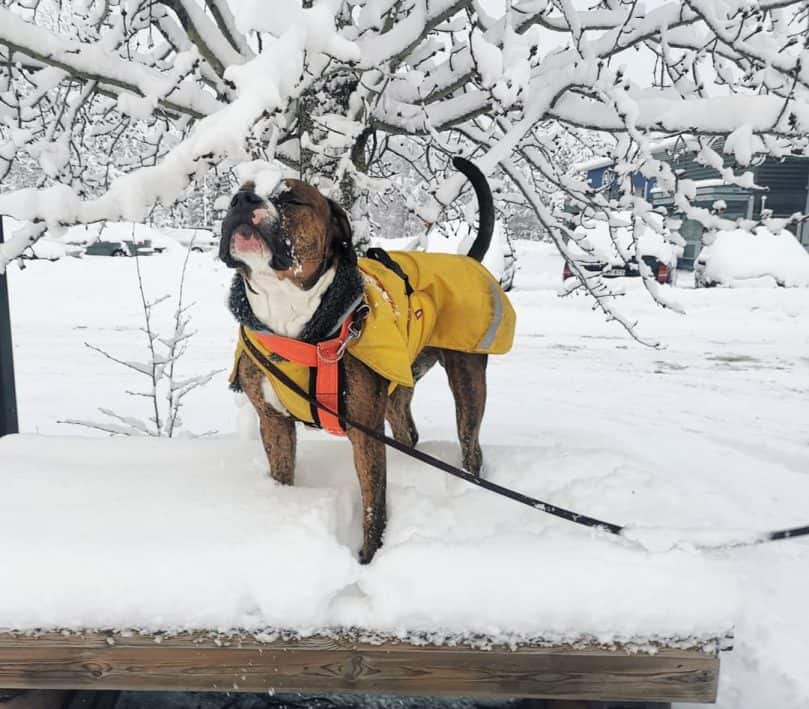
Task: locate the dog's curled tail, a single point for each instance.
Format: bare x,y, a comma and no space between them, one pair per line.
485,206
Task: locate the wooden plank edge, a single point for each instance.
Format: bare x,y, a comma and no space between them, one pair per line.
200,662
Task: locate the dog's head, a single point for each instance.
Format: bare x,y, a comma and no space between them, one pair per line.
294,233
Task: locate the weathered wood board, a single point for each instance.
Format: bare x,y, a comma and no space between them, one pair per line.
198,662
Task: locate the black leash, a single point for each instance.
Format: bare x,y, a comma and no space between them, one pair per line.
527,500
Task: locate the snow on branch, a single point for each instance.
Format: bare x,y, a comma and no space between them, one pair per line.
93,62
109,109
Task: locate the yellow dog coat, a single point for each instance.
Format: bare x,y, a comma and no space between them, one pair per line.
455,304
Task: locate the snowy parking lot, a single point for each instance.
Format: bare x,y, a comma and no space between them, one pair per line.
710,431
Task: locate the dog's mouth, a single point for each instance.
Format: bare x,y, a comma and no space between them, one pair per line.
249,247
245,241
253,239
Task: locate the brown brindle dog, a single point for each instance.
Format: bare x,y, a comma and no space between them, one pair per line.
297,276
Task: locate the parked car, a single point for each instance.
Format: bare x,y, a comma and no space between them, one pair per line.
47,249
198,238
112,239
103,247
160,242
752,258
612,252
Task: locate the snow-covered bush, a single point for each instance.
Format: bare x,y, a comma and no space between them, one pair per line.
165,390
110,110
738,258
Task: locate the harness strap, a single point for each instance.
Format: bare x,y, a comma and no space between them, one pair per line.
378,254
322,358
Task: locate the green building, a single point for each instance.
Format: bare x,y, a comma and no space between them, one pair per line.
784,189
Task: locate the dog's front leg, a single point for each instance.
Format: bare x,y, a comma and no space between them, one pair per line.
366,401
279,439
277,429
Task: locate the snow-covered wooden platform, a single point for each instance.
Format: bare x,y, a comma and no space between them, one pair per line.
175,535
189,542
318,664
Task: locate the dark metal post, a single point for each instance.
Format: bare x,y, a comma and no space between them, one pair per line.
8,395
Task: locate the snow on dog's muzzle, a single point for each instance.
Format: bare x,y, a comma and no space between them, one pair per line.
250,232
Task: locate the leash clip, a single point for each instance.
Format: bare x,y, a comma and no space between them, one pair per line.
354,330
355,327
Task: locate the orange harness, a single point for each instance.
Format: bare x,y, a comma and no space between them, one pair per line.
324,358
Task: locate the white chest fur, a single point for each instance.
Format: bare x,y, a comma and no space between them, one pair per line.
281,305
285,309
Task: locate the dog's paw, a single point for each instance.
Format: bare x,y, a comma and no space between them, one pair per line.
366,554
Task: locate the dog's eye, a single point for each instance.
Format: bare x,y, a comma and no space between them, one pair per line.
288,199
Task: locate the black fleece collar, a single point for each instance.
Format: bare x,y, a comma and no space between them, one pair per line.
342,296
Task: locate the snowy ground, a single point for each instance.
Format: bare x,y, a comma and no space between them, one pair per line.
710,432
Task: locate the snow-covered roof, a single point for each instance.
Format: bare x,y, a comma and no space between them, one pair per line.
592,164
664,144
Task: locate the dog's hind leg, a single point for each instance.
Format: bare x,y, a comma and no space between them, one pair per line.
400,417
398,412
467,381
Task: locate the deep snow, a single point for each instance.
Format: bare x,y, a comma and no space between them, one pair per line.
711,433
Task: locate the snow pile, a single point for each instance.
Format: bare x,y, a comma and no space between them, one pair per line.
737,256
505,72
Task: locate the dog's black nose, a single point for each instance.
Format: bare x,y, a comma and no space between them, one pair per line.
245,198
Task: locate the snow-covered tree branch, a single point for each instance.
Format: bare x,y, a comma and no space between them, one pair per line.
118,106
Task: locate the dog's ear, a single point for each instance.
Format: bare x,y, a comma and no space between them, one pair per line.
341,232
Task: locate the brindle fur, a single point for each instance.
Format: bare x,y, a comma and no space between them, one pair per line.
319,231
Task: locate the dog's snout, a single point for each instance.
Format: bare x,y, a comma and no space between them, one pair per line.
262,215
245,198
251,228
